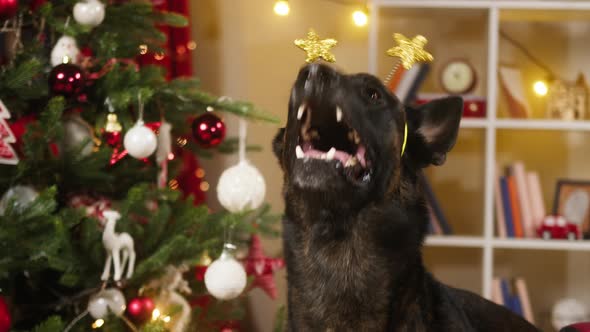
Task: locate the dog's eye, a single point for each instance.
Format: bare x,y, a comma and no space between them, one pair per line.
373,95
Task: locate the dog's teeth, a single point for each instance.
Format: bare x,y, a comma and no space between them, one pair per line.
330,154
300,111
338,114
299,152
350,162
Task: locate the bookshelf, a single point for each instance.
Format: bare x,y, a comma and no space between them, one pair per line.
485,142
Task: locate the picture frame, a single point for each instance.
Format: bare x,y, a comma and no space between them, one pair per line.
572,201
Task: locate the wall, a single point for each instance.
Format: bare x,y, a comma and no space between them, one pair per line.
245,51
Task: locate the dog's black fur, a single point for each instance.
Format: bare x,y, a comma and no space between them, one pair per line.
353,236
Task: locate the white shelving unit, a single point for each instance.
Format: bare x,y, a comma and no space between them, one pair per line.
492,124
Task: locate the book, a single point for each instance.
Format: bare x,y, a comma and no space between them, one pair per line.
434,225
523,294
505,289
512,86
538,211
497,291
506,205
500,220
436,208
514,204
408,82
526,218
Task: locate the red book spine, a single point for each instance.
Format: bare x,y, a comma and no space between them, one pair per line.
518,229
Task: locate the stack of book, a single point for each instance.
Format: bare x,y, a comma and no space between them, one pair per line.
438,222
514,295
519,202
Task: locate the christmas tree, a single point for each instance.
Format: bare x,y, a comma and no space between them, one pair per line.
102,224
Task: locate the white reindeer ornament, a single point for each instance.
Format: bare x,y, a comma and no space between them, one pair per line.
119,247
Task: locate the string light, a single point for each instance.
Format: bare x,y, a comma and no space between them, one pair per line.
360,17
166,319
204,186
191,45
156,314
143,49
282,8
540,88
200,173
97,323
159,56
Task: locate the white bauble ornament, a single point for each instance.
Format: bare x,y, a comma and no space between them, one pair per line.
76,132
110,299
21,195
89,12
568,311
241,187
140,141
65,47
225,278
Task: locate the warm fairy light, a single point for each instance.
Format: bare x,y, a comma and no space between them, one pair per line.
65,59
156,314
143,49
171,156
360,18
200,173
166,319
204,186
180,49
97,323
173,184
540,88
210,109
181,141
159,56
191,45
282,8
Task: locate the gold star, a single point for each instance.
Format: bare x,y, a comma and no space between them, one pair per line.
410,51
317,48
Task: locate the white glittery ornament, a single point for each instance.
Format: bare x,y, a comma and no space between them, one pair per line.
241,187
568,311
89,12
105,301
225,278
22,196
140,141
65,48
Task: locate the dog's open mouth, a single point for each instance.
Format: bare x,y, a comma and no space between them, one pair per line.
326,136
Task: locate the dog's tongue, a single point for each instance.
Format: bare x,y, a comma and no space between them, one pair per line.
342,156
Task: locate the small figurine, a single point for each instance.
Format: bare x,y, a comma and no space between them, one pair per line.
557,227
119,247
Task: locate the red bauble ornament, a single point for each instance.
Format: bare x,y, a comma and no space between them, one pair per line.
5,318
8,8
140,309
262,268
208,130
66,79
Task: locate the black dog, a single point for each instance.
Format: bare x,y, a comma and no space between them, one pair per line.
355,215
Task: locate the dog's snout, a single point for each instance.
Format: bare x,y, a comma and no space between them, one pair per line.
317,78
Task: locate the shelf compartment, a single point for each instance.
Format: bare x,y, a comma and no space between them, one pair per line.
457,267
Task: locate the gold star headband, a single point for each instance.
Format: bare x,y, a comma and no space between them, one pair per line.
317,48
409,51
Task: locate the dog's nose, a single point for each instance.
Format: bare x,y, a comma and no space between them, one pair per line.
317,77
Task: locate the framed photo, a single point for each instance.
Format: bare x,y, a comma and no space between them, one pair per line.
572,201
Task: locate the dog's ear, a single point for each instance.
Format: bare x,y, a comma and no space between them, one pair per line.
278,143
433,129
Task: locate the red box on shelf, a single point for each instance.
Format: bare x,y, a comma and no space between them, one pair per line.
473,106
